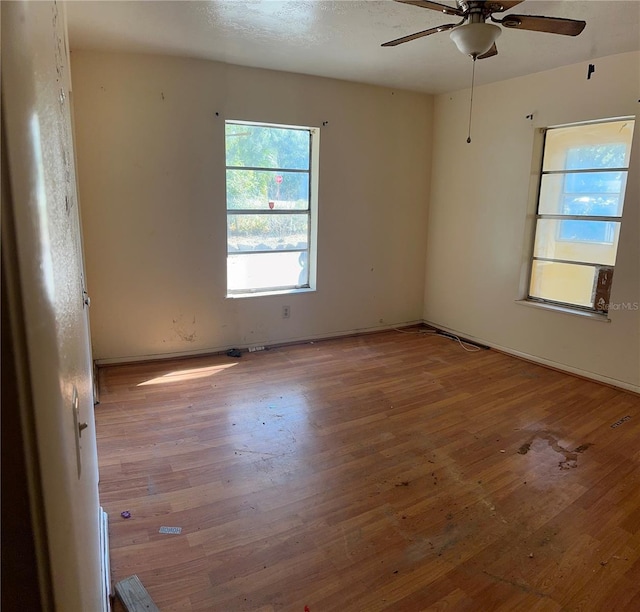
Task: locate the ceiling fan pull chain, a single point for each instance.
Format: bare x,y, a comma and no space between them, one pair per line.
473,78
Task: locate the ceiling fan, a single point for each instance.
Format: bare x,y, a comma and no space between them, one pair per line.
474,36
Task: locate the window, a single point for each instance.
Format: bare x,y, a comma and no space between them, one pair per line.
580,201
271,207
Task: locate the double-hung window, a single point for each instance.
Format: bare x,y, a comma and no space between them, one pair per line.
271,177
580,202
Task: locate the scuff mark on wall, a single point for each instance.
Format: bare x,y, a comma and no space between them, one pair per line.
184,331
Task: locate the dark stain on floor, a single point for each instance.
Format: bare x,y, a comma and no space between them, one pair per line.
570,457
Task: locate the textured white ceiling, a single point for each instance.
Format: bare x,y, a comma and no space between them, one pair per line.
342,38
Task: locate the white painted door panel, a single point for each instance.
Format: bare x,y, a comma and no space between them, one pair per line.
48,261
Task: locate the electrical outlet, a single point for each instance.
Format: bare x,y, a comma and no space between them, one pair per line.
286,312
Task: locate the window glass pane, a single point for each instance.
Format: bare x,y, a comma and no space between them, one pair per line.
596,156
597,145
269,232
574,240
560,282
594,182
267,147
602,232
267,190
277,270
584,175
270,201
584,193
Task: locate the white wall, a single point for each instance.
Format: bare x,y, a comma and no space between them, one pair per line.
151,169
480,212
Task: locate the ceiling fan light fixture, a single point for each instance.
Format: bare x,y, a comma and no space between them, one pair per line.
475,38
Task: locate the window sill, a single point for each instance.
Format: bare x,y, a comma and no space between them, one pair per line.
254,294
594,316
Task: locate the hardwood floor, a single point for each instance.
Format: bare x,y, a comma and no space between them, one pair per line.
390,471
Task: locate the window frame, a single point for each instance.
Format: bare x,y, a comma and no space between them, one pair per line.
311,212
600,268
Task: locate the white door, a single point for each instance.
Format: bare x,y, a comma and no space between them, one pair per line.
45,259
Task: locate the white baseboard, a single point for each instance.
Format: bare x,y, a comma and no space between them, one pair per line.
614,382
105,561
281,342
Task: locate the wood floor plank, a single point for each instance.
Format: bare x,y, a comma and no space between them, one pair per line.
391,471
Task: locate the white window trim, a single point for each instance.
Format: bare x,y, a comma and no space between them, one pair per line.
534,194
593,315
314,171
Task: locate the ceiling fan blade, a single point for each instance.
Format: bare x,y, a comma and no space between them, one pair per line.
490,53
404,39
497,6
535,23
434,6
